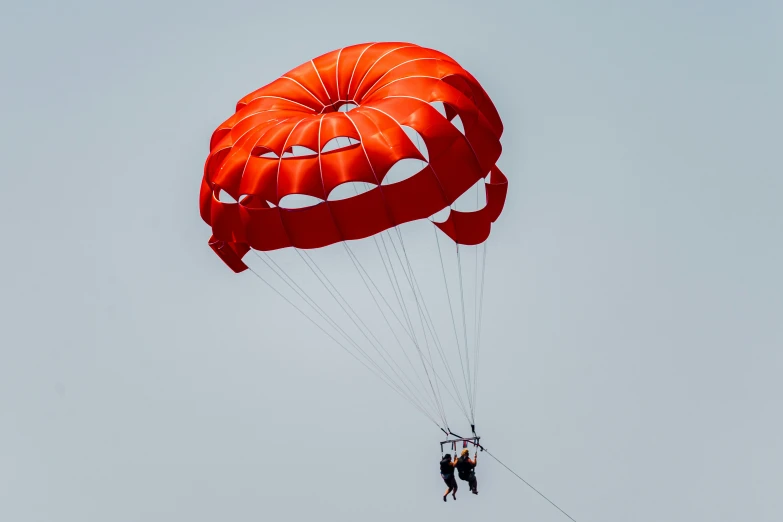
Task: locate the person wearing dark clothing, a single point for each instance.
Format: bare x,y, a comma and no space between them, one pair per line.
465,469
447,474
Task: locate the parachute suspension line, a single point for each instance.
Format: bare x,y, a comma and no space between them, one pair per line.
377,374
465,328
470,384
413,282
445,360
401,300
430,324
403,309
466,379
433,330
395,283
291,283
354,261
324,282
376,344
359,266
391,274
528,484
451,311
302,294
416,289
476,359
366,277
475,310
419,309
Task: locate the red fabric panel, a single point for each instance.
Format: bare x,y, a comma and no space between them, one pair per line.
226,223
367,62
260,178
306,135
467,228
370,205
336,124
417,197
473,228
326,66
305,77
310,227
265,230
485,145
231,254
252,125
276,138
286,89
383,141
300,176
345,165
456,167
404,62
347,59
205,202
229,175
496,188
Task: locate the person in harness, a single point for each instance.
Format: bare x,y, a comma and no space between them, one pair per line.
447,474
465,469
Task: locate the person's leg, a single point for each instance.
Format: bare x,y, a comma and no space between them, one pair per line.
454,487
473,484
448,489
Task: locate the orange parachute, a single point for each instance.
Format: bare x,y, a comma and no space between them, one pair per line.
345,119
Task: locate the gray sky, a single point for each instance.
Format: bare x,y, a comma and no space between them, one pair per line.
631,355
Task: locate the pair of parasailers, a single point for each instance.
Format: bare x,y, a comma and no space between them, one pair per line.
465,470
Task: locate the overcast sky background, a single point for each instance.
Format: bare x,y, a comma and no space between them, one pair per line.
631,362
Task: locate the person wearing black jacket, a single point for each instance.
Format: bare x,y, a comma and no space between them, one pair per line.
465,469
447,474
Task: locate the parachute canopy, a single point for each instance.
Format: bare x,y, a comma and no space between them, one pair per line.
314,158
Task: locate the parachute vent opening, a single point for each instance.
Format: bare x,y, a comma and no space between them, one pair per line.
402,170
251,201
299,151
339,142
347,107
223,196
440,107
297,201
349,190
417,140
263,152
441,216
457,122
450,114
271,205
